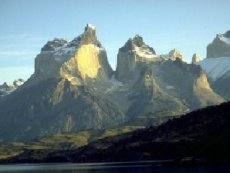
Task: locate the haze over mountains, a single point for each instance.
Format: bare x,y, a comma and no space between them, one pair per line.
74,87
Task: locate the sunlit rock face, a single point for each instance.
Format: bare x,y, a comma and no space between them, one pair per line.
88,61
82,59
176,54
204,93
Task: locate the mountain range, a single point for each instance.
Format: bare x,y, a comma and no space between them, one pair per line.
74,87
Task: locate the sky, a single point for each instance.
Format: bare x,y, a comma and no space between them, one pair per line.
26,25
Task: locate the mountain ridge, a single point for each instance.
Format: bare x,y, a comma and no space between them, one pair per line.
74,88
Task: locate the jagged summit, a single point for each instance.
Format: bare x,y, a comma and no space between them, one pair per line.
138,40
54,44
196,58
7,88
137,44
176,54
89,36
80,59
90,26
63,45
131,55
220,46
227,34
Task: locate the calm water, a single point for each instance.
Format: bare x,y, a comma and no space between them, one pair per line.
125,167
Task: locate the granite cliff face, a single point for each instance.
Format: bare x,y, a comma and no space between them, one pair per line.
133,53
59,96
220,46
76,61
74,88
217,64
157,87
176,54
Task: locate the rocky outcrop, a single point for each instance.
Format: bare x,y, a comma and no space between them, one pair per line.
176,54
196,59
131,56
7,88
203,92
151,101
54,44
220,47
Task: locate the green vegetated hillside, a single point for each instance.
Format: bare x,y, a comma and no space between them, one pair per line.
62,141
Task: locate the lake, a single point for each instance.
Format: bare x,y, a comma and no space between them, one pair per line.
122,167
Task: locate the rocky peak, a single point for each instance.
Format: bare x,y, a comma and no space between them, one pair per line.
6,88
89,36
204,93
196,58
131,55
138,40
136,43
220,46
176,54
54,44
82,58
227,34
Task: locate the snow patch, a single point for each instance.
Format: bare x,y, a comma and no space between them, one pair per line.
216,67
145,53
64,50
91,26
224,39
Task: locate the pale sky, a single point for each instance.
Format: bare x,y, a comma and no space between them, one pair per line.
26,25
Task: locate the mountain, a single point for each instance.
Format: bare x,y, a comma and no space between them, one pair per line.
74,88
217,64
7,88
220,46
201,136
196,59
79,61
176,54
156,86
58,97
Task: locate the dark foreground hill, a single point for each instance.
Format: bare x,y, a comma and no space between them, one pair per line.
202,135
